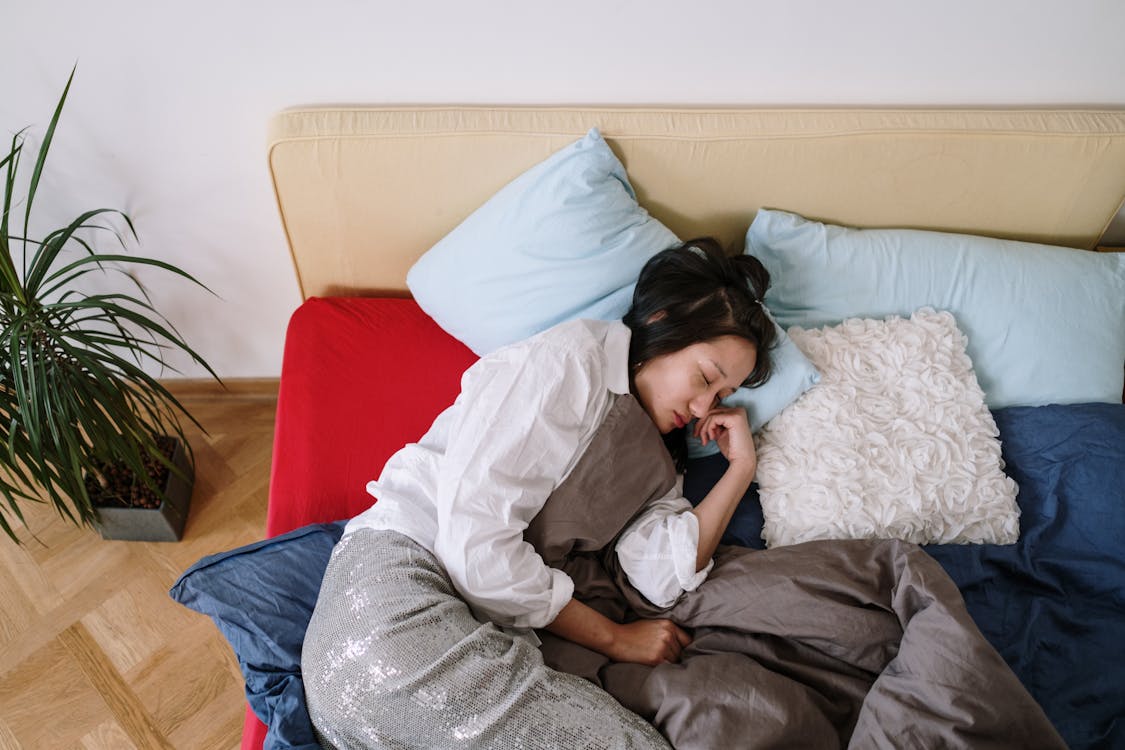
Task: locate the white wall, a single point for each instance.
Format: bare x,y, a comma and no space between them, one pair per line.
167,116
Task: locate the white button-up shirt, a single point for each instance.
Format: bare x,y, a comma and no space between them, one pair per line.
467,490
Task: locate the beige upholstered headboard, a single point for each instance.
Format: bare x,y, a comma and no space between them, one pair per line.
363,192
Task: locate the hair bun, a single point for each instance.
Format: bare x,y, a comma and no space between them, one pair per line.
755,275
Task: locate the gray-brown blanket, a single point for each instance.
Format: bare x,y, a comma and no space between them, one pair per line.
861,644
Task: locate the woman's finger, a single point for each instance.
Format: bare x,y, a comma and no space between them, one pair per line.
711,425
679,640
718,426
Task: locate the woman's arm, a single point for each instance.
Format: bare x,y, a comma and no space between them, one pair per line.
521,419
644,641
730,429
667,549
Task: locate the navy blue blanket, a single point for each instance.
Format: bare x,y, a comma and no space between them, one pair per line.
1052,604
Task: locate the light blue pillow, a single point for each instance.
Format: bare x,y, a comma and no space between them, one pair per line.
792,375
1045,324
566,239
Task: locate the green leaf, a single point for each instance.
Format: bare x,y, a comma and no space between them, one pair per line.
44,148
7,264
48,251
103,258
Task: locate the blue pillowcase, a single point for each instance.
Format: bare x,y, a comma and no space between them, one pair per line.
566,239
1045,324
261,597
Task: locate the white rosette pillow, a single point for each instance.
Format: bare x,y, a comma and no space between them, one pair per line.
894,442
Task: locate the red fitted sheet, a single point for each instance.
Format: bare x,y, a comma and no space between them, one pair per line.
360,378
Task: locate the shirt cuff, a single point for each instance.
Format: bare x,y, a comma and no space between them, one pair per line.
562,591
658,553
685,551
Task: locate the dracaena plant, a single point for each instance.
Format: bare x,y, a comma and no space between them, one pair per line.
75,393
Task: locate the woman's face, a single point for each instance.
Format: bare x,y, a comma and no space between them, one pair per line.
677,387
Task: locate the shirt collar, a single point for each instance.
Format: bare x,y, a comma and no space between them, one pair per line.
617,337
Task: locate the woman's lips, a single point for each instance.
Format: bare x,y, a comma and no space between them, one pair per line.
680,421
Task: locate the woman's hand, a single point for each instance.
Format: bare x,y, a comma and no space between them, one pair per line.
730,429
649,642
642,642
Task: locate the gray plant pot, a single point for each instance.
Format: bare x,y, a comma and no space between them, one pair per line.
162,524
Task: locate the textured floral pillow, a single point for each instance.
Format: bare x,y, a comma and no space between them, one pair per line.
894,442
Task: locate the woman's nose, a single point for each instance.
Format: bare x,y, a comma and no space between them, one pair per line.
701,404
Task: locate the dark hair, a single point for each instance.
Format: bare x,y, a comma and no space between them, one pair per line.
692,293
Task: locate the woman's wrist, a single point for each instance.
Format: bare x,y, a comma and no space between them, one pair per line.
585,626
743,468
715,510
612,635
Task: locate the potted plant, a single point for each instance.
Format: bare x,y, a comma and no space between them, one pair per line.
80,418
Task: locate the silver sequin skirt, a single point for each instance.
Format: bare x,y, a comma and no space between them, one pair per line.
393,658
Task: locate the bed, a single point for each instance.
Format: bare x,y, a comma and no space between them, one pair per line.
363,193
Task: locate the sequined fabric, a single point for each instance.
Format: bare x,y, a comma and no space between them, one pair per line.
394,659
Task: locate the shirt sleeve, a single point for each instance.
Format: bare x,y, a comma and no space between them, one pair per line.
658,550
525,414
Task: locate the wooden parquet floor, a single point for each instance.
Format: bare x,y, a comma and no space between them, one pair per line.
93,652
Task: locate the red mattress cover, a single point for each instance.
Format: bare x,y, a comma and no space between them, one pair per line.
360,378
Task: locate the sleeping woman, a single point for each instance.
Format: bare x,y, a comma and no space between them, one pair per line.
530,575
